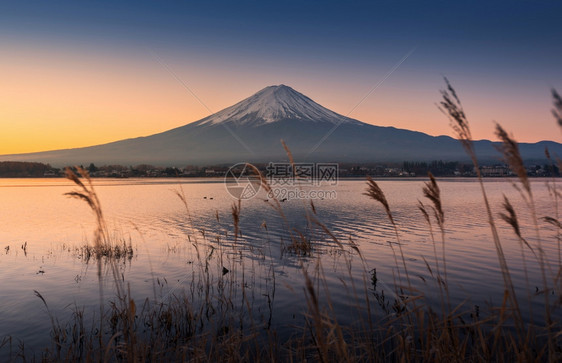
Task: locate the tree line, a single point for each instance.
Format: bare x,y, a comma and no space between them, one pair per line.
19,169
23,169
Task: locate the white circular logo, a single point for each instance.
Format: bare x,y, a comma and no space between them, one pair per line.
242,182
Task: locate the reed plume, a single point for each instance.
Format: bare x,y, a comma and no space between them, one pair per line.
87,194
510,150
431,191
375,193
511,219
451,107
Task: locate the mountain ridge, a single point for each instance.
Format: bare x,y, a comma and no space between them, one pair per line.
251,130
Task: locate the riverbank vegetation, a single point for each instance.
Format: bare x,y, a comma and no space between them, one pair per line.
218,316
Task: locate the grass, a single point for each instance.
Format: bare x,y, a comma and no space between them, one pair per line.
215,316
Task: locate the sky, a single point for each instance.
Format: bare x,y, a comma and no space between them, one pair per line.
76,74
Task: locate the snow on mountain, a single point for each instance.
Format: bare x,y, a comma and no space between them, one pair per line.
273,104
253,130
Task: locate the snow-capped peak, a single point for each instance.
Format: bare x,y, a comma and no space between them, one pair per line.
272,104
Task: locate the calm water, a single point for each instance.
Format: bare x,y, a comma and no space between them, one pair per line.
34,213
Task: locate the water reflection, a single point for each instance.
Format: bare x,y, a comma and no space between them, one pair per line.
44,234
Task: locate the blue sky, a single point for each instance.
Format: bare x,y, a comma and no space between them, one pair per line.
503,56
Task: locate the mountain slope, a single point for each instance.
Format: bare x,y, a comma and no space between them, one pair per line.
251,131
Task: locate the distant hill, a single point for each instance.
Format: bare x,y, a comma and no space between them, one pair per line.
251,130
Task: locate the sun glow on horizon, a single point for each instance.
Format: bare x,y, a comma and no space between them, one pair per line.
58,97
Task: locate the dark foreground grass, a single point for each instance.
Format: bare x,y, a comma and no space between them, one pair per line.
215,316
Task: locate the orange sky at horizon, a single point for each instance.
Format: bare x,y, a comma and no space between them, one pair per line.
55,98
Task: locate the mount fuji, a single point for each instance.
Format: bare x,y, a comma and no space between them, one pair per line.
251,130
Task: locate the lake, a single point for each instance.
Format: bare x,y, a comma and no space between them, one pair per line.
43,233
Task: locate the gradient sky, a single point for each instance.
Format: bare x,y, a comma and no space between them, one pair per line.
82,73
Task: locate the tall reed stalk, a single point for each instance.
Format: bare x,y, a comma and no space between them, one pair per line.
452,107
